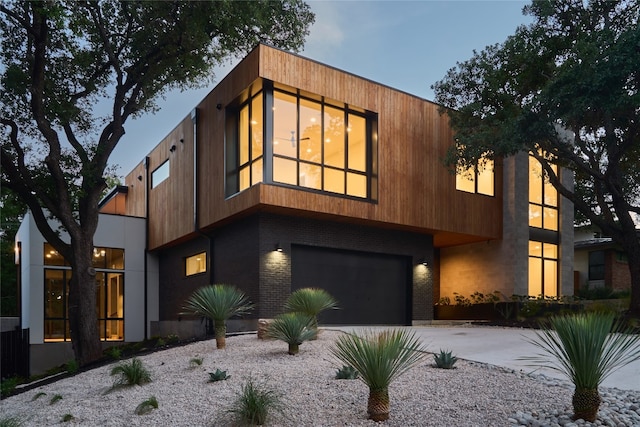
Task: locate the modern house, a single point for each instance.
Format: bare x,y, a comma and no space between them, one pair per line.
291,174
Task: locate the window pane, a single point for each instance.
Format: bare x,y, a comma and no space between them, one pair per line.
285,138
334,137
485,179
550,219
115,330
550,251
357,143
115,295
101,293
256,127
334,180
54,293
51,256
550,278
115,258
256,172
244,178
160,174
535,249
535,181
196,264
54,330
535,277
310,131
535,216
243,135
465,180
356,185
285,171
310,176
596,265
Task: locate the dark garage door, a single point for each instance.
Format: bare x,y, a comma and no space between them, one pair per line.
371,288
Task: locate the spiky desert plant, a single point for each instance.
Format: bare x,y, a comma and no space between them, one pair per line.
445,360
587,348
254,403
218,303
380,358
310,301
292,328
130,373
147,406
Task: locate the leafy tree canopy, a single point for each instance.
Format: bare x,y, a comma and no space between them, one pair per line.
59,59
566,89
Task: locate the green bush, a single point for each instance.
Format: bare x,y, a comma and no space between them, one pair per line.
130,373
347,373
218,375
445,360
72,366
38,395
195,361
147,406
8,386
255,403
114,353
67,417
56,398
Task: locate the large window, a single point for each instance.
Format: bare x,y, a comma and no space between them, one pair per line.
314,143
543,198
543,269
109,294
478,179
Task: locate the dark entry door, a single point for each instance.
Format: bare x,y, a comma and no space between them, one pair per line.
371,288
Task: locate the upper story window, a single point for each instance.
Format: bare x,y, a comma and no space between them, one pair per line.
543,198
478,179
195,264
160,174
311,142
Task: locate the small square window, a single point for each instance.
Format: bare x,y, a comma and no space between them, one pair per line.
196,264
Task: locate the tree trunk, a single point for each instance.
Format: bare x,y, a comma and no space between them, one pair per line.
585,404
83,317
378,405
220,329
294,348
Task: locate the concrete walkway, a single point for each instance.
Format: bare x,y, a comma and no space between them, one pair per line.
501,347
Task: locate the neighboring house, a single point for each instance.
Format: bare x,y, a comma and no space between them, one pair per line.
291,174
599,262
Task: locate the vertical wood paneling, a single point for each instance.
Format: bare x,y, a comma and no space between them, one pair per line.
416,191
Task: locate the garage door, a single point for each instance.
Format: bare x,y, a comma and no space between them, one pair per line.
371,288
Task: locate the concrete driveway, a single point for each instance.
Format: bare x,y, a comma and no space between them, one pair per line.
501,347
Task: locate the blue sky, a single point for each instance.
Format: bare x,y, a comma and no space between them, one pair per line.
408,45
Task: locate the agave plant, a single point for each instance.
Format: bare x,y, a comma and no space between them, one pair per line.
380,358
310,301
445,360
292,328
218,303
587,348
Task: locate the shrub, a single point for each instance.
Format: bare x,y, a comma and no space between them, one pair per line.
67,417
38,395
292,328
254,403
130,373
218,375
147,406
8,386
347,373
10,422
72,366
445,360
196,361
114,353
380,358
587,348
55,398
218,303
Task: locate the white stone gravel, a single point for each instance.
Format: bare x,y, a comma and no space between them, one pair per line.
474,394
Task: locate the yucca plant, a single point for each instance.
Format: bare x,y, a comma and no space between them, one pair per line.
130,373
310,301
292,328
587,348
218,303
254,403
380,358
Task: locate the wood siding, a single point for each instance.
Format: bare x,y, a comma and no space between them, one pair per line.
415,190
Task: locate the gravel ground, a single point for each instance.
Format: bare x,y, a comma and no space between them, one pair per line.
474,394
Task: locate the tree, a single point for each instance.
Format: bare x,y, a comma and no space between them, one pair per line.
60,58
565,89
11,211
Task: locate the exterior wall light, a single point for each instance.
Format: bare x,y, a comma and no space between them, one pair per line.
423,261
278,247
